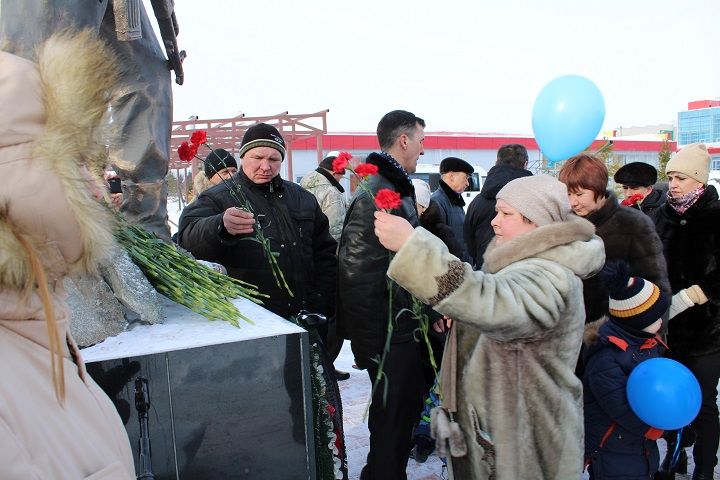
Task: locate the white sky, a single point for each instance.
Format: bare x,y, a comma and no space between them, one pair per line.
472,66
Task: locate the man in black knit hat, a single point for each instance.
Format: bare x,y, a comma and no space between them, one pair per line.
214,226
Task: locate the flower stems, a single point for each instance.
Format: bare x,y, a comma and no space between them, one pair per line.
243,203
182,279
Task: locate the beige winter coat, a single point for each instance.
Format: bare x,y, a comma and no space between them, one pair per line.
48,115
331,200
519,324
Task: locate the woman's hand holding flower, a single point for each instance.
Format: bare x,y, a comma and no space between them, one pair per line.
392,231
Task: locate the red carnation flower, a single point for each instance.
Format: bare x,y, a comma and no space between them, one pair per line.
632,199
198,137
341,162
186,151
366,169
386,199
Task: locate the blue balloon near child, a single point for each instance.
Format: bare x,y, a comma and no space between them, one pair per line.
567,116
664,393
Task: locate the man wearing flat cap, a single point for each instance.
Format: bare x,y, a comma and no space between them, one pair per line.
638,180
447,200
213,228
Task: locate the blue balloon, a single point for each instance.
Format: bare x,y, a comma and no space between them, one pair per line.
664,393
567,116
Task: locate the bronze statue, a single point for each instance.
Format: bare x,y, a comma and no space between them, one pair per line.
143,114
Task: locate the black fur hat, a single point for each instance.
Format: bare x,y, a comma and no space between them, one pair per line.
636,174
454,164
217,160
262,135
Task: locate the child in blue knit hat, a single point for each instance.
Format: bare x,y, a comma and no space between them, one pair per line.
617,443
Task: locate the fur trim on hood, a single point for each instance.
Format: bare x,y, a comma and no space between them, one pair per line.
552,242
50,137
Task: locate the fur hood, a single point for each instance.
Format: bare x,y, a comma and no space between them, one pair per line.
200,183
49,134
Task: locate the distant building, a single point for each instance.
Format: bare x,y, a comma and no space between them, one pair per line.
478,149
700,123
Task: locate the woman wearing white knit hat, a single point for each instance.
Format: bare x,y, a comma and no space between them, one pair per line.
517,335
689,226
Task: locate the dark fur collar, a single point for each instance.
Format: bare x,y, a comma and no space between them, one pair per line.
605,213
455,198
397,177
330,178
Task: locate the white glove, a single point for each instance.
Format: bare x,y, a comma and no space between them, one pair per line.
681,301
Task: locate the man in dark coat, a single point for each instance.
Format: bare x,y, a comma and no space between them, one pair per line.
447,199
213,228
511,163
637,180
363,297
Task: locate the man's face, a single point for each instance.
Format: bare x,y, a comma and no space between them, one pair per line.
629,191
413,147
458,181
223,174
261,164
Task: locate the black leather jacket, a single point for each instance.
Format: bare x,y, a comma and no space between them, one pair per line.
362,310
298,230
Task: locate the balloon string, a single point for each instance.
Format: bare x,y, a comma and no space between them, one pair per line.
676,453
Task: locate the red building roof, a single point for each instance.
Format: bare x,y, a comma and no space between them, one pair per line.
459,141
697,104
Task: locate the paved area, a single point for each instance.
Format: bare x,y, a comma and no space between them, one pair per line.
355,394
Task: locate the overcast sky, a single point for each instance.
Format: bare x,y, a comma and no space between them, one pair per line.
470,66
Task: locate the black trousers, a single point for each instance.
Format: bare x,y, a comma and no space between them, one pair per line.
706,425
391,423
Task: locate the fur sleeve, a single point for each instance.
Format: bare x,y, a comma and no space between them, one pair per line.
520,301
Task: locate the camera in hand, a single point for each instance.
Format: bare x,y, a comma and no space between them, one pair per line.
115,186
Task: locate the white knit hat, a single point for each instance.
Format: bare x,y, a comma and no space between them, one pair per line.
693,160
542,199
422,192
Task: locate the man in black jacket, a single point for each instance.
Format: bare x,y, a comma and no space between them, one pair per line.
511,163
639,178
213,228
447,201
363,296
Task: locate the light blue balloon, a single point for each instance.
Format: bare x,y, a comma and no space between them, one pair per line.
567,116
664,393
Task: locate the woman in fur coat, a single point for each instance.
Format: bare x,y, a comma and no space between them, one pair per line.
55,422
517,335
689,226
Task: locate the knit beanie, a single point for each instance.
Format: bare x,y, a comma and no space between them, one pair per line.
327,161
542,199
262,135
693,161
422,192
634,302
217,160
